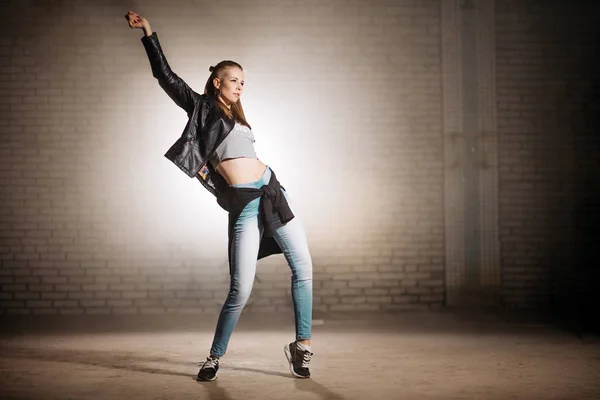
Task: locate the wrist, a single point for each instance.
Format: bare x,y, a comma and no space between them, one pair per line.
147,29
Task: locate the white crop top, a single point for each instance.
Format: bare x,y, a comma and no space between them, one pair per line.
238,143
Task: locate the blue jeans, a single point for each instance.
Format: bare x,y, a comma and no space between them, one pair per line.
247,233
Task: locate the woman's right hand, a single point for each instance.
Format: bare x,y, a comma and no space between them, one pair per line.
135,20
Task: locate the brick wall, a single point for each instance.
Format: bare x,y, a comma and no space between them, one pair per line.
344,98
547,86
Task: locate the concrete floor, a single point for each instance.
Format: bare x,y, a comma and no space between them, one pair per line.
438,355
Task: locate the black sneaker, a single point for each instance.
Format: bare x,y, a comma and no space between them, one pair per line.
208,371
298,359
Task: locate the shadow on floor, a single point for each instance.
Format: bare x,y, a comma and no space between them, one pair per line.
133,362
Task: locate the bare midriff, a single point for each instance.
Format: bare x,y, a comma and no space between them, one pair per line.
241,170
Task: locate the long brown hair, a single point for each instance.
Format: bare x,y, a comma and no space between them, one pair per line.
218,71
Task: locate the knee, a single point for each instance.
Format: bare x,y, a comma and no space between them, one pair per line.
238,295
302,270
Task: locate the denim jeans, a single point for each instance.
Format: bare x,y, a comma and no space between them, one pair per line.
247,233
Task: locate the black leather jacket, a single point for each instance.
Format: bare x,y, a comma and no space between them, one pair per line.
206,128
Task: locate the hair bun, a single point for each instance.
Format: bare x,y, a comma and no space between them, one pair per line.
211,68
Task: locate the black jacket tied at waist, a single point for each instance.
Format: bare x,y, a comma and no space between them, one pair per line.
272,200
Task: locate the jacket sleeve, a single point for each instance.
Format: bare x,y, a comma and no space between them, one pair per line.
172,84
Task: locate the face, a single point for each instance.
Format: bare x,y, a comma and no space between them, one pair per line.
231,86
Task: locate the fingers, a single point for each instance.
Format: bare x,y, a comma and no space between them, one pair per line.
133,19
132,16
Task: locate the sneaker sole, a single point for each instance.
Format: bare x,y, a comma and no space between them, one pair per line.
288,355
206,380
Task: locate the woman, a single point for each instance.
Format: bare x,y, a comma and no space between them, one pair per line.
217,148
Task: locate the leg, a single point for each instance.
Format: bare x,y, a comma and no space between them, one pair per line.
246,240
292,240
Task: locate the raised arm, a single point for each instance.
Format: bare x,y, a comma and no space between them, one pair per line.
172,84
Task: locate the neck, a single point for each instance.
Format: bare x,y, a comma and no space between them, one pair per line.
222,100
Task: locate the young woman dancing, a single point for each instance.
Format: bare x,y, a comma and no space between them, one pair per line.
217,148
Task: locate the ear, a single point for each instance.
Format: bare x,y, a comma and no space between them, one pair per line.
217,82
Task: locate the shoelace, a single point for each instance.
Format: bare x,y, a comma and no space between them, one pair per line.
306,359
209,363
